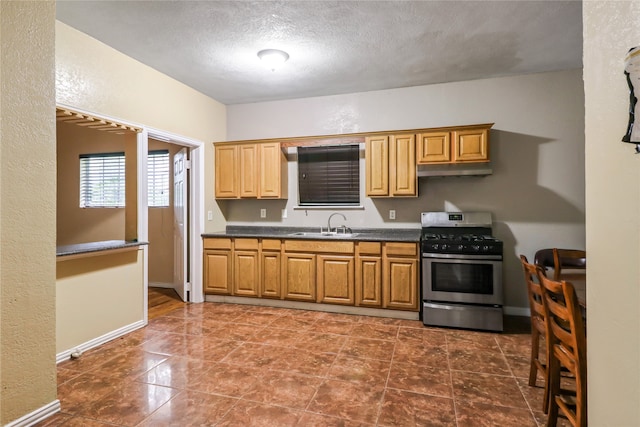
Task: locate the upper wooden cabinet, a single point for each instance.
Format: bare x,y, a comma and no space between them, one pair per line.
390,164
252,170
466,144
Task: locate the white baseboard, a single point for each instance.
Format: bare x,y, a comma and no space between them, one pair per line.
517,311
37,415
65,355
160,285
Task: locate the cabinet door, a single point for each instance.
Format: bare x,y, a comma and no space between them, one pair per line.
434,147
402,166
400,283
226,167
270,274
271,170
218,273
248,154
335,278
377,165
369,281
300,276
245,277
471,145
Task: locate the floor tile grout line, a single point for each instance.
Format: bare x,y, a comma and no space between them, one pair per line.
453,392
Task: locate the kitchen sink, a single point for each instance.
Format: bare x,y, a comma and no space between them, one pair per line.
323,234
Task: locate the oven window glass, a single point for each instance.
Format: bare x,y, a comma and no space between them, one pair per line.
464,278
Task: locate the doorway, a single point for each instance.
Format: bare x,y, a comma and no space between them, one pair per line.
173,231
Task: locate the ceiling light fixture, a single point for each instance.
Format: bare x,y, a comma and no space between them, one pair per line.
273,58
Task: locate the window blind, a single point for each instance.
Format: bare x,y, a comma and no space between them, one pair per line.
329,175
102,180
158,178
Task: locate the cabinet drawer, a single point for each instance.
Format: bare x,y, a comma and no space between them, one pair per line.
271,245
318,246
401,249
217,243
250,244
371,248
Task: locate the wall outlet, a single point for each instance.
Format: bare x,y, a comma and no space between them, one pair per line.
284,213
263,213
210,215
392,214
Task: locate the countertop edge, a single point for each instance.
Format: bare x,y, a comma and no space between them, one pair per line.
373,235
91,247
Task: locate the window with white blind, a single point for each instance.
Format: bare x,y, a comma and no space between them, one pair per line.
102,179
158,178
329,176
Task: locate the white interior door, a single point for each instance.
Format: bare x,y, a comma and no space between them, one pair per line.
180,223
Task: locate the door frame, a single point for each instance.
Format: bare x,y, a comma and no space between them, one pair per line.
196,202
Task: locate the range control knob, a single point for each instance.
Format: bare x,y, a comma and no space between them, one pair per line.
460,247
476,248
435,246
443,247
486,248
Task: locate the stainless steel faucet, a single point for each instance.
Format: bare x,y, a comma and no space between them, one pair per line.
329,220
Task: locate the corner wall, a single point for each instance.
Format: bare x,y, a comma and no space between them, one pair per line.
27,209
613,216
536,194
94,77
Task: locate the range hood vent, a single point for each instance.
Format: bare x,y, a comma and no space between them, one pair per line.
455,169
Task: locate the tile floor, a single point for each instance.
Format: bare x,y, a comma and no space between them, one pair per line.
235,365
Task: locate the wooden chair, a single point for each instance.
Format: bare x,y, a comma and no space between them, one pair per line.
574,260
538,328
568,349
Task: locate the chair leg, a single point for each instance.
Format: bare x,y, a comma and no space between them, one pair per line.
535,348
553,386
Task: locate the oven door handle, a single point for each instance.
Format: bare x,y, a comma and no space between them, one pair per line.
459,257
459,307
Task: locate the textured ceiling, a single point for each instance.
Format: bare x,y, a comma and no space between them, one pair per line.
334,46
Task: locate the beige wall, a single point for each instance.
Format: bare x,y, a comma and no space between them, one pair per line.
536,193
613,212
89,297
75,224
95,77
27,208
161,228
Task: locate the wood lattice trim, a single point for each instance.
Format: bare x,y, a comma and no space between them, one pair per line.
91,122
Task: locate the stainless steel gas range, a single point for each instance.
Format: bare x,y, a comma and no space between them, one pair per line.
461,271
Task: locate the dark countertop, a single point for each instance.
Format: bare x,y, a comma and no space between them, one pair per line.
359,234
106,245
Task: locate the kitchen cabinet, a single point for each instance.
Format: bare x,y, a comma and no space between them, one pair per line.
250,170
299,270
400,276
270,269
246,267
335,279
456,145
368,280
218,266
390,166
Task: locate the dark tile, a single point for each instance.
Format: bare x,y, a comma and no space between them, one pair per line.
473,414
403,408
346,399
489,389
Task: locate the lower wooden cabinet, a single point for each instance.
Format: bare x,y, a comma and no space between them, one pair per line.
364,274
270,275
218,266
299,271
399,283
335,279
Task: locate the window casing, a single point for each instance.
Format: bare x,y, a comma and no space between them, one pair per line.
329,175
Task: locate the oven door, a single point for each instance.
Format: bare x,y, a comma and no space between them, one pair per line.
473,279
